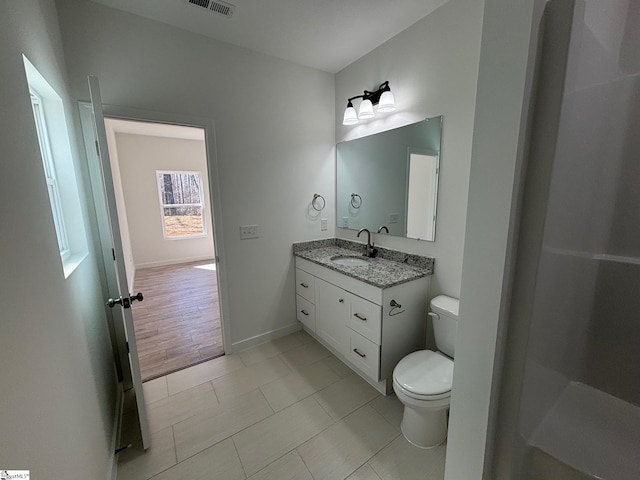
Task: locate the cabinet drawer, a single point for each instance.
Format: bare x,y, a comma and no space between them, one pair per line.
306,312
365,318
364,354
305,285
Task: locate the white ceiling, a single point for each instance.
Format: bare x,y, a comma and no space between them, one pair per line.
323,34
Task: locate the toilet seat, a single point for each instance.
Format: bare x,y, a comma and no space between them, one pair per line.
424,375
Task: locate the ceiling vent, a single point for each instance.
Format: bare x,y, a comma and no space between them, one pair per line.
216,6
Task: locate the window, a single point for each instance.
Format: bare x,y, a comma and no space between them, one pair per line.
181,204
50,174
59,170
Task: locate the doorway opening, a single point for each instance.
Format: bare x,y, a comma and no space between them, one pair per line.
161,184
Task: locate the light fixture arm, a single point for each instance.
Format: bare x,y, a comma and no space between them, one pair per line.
387,105
375,96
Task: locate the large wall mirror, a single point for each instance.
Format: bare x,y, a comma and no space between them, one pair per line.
390,180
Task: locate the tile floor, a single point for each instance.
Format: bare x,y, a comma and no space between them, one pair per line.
286,409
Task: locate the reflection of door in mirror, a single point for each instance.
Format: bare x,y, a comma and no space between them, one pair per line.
422,186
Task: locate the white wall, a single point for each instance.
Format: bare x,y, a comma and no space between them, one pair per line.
498,143
139,157
57,376
432,68
273,154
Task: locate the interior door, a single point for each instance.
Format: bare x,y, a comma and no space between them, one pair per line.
121,299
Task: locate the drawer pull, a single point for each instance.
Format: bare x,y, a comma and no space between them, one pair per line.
304,285
360,354
359,317
341,300
304,313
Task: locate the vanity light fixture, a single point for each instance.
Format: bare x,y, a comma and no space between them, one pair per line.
382,97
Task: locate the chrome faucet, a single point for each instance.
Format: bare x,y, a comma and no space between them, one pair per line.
383,227
369,251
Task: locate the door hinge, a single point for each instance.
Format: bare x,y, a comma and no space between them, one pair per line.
97,149
113,253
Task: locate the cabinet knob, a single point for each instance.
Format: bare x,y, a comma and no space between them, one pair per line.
341,300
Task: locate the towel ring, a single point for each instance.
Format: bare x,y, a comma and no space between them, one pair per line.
356,200
314,202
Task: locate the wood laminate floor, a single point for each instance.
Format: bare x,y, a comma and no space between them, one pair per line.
178,323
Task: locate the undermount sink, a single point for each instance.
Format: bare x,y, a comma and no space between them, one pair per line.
349,261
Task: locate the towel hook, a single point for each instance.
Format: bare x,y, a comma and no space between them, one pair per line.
315,202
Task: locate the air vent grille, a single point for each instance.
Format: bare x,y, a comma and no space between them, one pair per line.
215,6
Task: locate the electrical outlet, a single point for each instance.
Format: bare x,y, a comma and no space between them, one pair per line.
345,222
323,224
393,218
248,231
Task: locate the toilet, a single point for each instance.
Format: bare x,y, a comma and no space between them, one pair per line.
422,379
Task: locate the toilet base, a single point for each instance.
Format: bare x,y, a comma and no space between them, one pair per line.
424,428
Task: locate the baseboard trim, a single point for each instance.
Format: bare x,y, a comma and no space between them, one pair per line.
174,261
264,337
112,469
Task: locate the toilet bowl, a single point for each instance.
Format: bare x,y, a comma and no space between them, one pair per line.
422,380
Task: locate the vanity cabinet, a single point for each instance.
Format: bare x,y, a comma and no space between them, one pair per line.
332,310
370,328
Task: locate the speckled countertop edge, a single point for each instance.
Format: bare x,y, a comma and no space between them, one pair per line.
387,269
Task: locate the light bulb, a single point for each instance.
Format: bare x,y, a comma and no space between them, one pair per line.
350,116
366,109
387,102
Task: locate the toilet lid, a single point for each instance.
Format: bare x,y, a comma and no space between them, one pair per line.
424,373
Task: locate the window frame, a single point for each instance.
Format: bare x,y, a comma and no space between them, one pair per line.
48,163
176,205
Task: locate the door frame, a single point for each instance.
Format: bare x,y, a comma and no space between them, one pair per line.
207,124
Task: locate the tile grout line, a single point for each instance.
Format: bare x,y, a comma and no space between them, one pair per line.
273,412
230,436
294,448
303,462
341,420
214,391
239,459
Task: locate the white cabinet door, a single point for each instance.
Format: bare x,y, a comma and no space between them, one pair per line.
332,312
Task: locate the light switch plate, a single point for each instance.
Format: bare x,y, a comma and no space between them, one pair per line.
323,224
345,222
248,231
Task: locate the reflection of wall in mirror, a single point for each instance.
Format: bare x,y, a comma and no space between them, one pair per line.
372,170
422,184
376,168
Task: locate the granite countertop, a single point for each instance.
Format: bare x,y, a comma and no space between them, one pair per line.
387,269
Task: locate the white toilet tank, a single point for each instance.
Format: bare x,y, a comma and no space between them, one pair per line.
445,320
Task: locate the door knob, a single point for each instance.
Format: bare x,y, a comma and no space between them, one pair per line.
137,297
124,301
113,302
